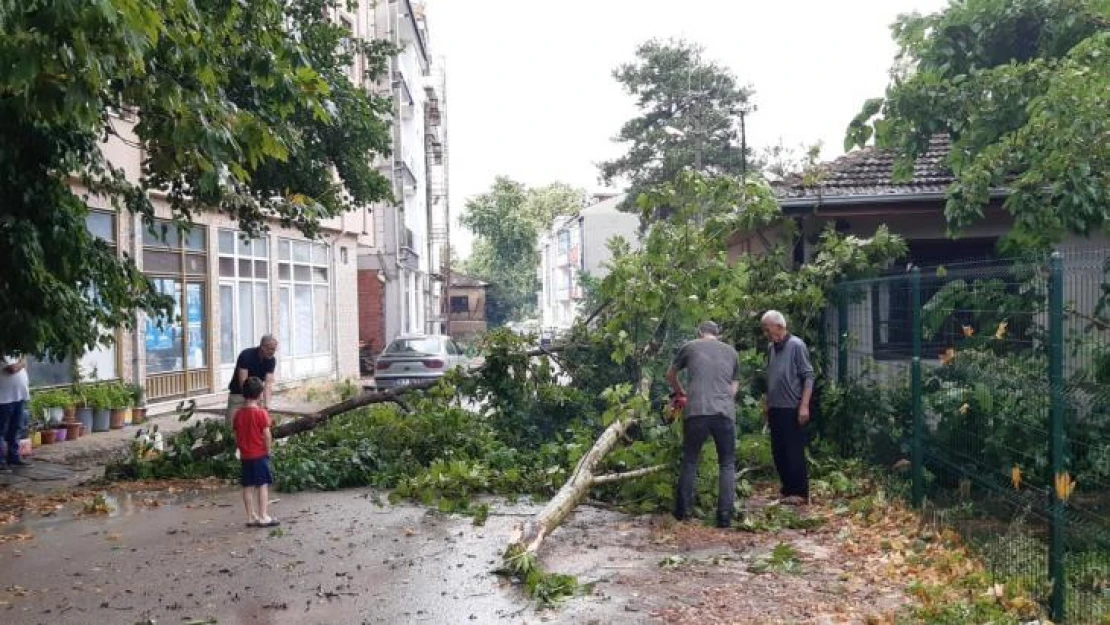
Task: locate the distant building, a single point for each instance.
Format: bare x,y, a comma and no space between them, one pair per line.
576,245
466,312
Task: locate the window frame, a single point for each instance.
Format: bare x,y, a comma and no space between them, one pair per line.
256,253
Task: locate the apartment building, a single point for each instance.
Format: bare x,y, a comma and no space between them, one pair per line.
400,267
230,291
575,245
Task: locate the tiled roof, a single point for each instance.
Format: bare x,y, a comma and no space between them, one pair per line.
870,172
460,280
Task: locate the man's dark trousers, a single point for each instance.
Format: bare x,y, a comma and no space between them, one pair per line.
788,445
694,432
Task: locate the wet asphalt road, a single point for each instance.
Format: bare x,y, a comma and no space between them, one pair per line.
338,558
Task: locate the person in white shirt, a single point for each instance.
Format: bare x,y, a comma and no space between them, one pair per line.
15,391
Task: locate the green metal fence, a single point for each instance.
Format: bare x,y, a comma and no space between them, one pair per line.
987,385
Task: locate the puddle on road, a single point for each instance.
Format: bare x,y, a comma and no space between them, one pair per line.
116,504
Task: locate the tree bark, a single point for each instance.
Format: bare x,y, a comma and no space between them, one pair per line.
529,536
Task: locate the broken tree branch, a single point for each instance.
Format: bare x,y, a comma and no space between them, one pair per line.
627,475
367,398
529,536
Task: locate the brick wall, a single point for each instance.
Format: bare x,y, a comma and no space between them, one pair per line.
371,308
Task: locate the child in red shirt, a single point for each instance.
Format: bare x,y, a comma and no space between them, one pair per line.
253,438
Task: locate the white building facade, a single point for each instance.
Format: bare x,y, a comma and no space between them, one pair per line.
401,285
577,245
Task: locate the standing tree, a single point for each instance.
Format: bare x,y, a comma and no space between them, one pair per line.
1022,88
241,108
506,221
692,113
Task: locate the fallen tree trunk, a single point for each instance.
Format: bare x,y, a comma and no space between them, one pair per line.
527,537
316,419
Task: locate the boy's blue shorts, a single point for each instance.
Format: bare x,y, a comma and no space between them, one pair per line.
257,472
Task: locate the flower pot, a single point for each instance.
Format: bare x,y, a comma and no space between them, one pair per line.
117,418
47,437
25,447
36,439
85,418
59,435
102,420
55,415
73,430
128,416
83,432
69,413
138,415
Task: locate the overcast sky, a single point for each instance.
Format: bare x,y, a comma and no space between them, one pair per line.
530,93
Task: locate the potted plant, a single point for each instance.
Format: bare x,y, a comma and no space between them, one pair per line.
37,406
138,403
119,402
99,398
35,431
46,434
59,432
53,403
84,410
62,400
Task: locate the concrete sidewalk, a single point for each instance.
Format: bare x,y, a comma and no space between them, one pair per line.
64,465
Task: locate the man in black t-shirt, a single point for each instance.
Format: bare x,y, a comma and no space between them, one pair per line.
253,362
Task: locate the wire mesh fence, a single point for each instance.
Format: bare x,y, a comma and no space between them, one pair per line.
986,386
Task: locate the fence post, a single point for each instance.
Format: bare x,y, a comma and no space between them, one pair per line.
917,448
1056,383
842,334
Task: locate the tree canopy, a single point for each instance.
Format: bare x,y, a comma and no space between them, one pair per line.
506,221
1022,88
241,108
690,111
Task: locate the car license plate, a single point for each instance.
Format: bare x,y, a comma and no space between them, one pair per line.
403,381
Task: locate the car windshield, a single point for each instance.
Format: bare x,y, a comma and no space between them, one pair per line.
402,347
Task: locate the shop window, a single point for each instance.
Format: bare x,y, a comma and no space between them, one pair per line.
244,293
175,262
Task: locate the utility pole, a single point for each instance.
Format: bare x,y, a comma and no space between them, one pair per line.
697,144
743,145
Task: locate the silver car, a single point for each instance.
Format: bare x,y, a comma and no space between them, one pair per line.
410,359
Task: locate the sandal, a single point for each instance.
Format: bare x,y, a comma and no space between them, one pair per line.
270,523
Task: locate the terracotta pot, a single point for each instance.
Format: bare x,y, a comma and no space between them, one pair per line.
47,437
138,415
118,418
84,431
73,431
70,413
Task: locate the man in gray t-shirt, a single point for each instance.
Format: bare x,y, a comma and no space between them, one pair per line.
713,373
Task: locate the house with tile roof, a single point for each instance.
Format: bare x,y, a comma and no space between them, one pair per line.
859,191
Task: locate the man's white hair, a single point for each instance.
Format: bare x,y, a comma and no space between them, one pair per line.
774,317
